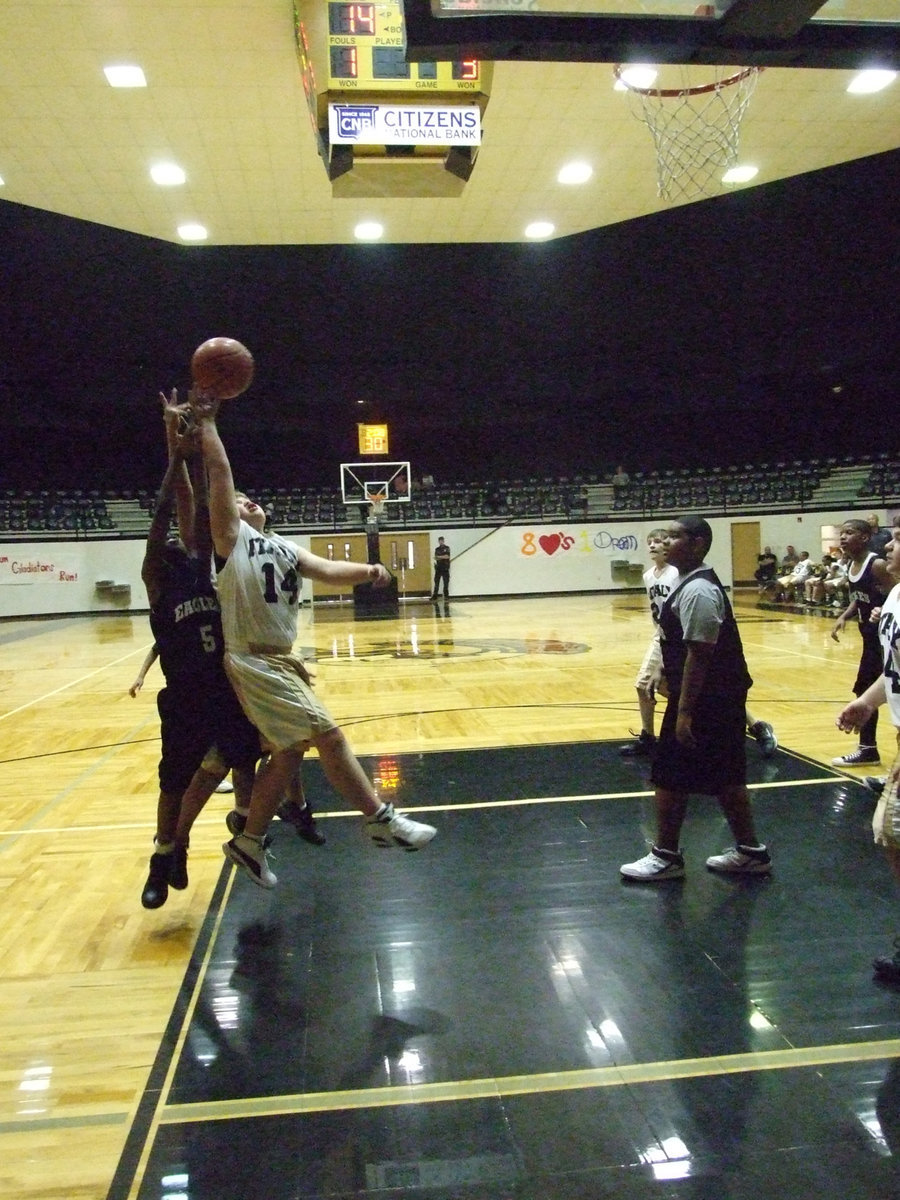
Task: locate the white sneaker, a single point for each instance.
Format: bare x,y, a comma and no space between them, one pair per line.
388,829
741,860
249,853
655,866
225,787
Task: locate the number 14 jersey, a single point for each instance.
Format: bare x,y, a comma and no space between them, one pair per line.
259,590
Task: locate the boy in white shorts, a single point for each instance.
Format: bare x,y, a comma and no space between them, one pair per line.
658,580
886,689
259,579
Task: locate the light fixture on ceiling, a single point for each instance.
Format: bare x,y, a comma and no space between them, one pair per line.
539,229
167,174
866,82
740,174
368,231
575,172
637,75
192,232
125,76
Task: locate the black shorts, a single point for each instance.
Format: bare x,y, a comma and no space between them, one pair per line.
195,717
719,760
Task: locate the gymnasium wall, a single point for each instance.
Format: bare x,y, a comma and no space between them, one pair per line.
47,578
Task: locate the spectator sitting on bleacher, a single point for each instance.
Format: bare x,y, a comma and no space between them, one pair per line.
835,585
766,568
788,584
789,561
814,584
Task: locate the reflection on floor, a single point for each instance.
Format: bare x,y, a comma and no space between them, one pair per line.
500,1016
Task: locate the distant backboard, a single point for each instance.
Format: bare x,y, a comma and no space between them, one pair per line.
364,483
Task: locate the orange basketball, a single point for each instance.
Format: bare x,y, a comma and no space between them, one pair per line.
222,367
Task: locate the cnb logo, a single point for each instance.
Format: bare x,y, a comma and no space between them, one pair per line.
354,119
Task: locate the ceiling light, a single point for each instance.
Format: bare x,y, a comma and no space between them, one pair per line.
167,174
368,231
638,75
192,232
740,174
125,77
575,172
539,229
870,81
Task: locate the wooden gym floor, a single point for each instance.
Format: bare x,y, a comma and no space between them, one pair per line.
498,1016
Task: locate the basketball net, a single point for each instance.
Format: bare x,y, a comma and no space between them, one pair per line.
695,126
376,507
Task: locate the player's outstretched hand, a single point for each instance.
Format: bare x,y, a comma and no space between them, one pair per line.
175,415
381,576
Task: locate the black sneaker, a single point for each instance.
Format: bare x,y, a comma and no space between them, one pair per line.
302,820
875,783
765,737
642,747
178,876
156,889
235,822
862,756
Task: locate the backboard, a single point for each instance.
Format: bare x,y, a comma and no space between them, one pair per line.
371,482
841,34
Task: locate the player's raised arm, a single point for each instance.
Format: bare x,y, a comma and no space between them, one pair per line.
175,419
153,566
224,516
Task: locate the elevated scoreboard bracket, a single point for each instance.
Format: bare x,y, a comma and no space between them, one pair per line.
386,126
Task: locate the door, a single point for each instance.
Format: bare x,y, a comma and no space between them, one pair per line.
406,555
745,548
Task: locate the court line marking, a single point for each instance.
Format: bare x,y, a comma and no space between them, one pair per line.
72,683
148,1137
538,1084
432,808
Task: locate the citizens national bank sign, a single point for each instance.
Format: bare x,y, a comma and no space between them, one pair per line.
404,124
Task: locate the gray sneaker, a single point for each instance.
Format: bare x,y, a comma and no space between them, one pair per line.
741,860
765,737
249,853
388,829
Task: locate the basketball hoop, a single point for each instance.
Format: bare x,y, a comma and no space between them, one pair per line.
695,126
376,506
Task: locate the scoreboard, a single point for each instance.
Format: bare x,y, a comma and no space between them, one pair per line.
366,47
355,53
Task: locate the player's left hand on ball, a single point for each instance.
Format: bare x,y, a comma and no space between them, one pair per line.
203,404
381,576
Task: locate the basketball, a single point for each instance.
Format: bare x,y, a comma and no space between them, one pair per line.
222,367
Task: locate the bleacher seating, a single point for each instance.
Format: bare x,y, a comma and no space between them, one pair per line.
753,488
